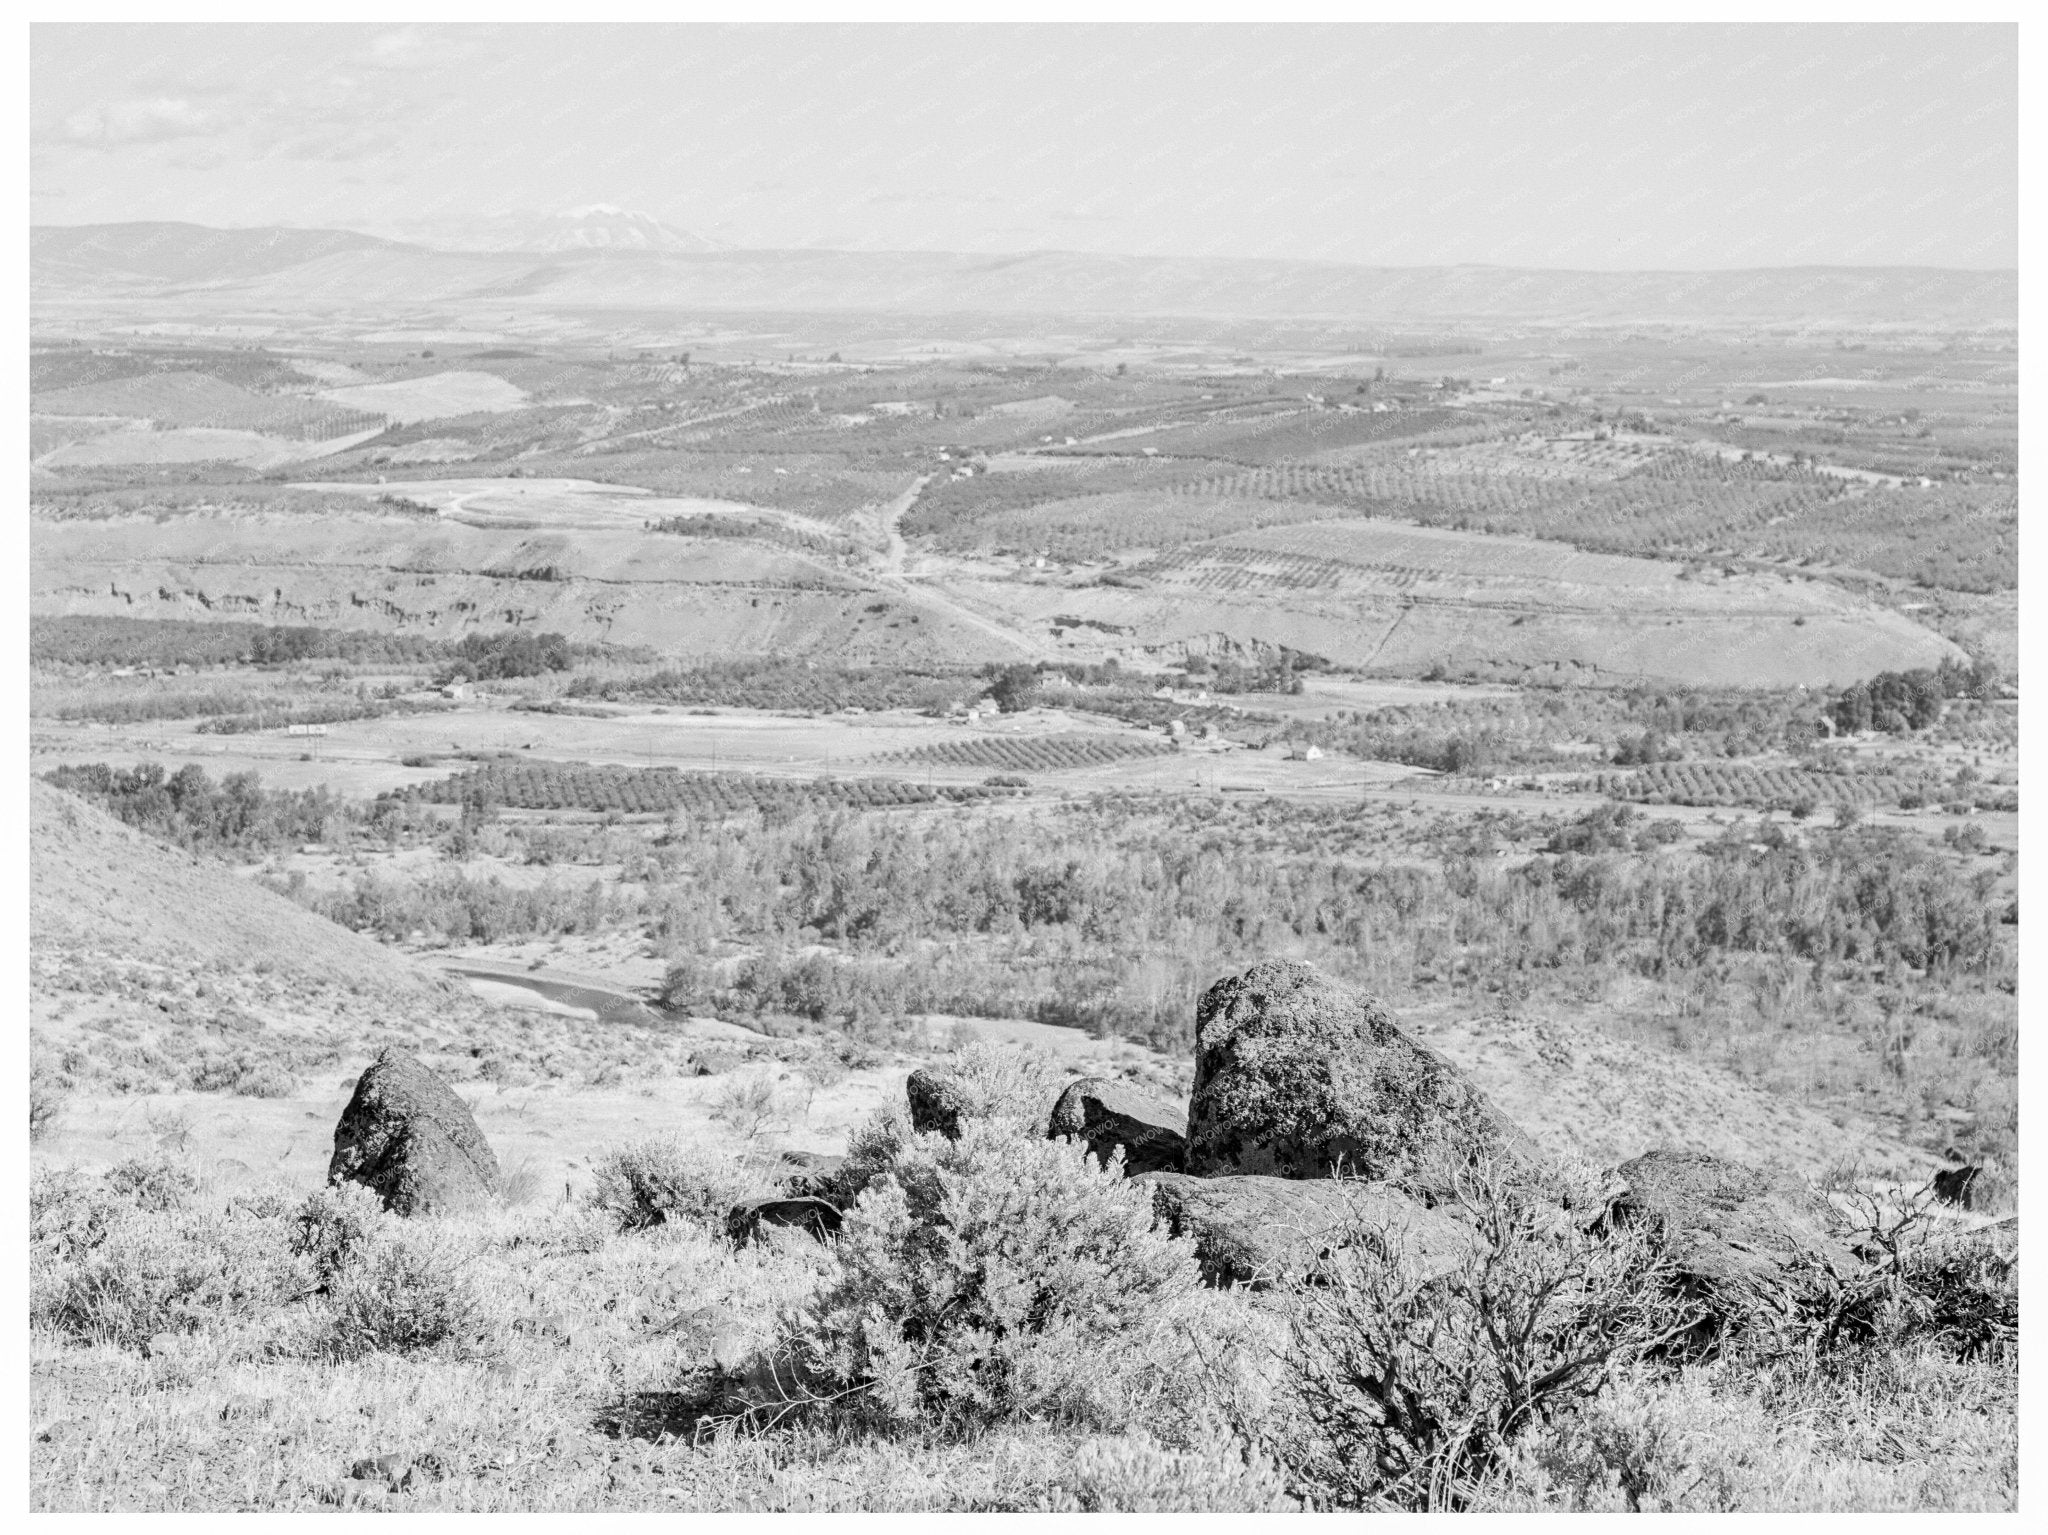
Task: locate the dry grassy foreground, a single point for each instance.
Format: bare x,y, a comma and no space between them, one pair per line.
201,1349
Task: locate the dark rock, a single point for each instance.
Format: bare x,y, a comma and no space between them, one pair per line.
939,1101
1257,1231
425,1468
1107,1114
1957,1186
1735,1232
387,1469
1300,1076
812,1175
819,1217
406,1136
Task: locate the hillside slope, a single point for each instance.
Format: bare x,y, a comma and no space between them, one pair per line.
100,890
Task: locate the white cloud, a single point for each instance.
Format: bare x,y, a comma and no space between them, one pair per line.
145,120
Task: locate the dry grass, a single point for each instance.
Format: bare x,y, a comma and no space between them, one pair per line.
538,1358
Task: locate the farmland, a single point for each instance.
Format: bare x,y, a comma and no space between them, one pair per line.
459,393
1535,659
179,399
1037,754
663,791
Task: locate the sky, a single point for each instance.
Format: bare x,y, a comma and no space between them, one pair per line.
1595,147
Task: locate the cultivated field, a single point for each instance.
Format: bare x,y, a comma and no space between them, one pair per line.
458,393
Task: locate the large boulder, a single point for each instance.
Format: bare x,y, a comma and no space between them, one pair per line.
407,1137
1260,1231
1301,1076
1736,1235
1106,1114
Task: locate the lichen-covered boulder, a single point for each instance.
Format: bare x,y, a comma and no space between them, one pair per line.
1105,1114
408,1138
1257,1231
1301,1076
1735,1233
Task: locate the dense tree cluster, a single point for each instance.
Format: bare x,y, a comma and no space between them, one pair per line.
162,643
237,815
510,653
1894,702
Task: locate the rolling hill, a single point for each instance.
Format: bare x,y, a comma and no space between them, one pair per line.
592,265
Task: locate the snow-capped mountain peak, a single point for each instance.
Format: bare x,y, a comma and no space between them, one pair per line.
605,226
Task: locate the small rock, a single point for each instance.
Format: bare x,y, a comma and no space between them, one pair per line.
939,1101
244,1406
387,1468
819,1217
1957,1186
812,1175
425,1468
1107,1115
161,1345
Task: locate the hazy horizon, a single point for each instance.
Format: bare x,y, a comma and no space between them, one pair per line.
1053,250
1555,148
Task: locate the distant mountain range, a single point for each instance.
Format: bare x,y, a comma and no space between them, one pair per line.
609,258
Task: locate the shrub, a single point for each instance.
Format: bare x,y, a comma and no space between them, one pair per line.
242,1076
873,1147
749,1106
1964,1295
406,1287
122,1274
1635,1450
1956,1293
333,1224
1138,1474
662,1178
519,1181
995,1277
1407,1395
166,1181
45,1105
69,1211
1007,1081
